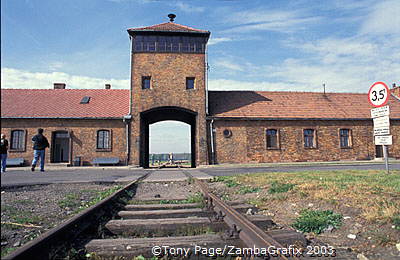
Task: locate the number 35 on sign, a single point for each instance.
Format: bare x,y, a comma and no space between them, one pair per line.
378,94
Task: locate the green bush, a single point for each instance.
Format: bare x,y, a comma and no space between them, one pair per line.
317,220
277,187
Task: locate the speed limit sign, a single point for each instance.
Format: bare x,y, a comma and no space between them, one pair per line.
378,94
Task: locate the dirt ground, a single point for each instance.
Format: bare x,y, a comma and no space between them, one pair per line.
27,212
165,190
375,238
366,203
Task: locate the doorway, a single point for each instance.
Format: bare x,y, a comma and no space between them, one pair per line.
60,147
170,144
378,151
163,114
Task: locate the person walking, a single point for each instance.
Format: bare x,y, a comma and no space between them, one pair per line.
40,144
3,149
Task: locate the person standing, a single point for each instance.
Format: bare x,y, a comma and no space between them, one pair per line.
4,149
40,144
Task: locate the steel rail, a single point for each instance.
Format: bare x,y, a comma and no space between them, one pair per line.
43,246
250,234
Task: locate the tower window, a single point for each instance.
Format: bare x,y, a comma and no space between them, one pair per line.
146,82
190,83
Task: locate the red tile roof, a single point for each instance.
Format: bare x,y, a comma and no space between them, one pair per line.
293,105
114,103
64,103
168,27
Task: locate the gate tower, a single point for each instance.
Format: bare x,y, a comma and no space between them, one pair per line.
168,82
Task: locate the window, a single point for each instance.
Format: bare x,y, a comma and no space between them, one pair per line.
309,138
85,100
146,82
345,138
227,133
272,139
169,43
103,139
190,83
17,140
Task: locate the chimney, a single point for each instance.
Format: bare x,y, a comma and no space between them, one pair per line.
59,85
395,90
107,86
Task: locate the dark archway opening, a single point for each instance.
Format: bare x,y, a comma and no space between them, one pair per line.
162,114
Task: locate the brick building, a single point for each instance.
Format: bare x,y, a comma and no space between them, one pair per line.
169,82
84,123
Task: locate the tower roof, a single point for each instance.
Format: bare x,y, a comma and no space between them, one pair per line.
168,27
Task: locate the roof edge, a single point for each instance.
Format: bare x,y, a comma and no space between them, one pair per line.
287,118
41,117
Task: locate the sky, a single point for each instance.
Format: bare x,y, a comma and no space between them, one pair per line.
254,45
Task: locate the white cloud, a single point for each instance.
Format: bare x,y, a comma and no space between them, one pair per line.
56,66
217,40
169,136
226,64
189,8
269,20
383,19
228,84
343,64
14,78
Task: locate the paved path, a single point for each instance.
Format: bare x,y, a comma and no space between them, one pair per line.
228,171
14,177
22,176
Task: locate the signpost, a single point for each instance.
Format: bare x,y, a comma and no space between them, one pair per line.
378,96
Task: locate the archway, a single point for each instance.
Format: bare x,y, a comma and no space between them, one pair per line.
162,114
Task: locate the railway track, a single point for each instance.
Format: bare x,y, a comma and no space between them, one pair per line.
127,225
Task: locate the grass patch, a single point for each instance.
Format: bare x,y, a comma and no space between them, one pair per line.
317,220
20,216
7,251
277,187
27,218
248,189
372,193
230,181
24,202
396,221
73,200
194,198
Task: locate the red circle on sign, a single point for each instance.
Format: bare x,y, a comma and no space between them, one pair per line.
387,96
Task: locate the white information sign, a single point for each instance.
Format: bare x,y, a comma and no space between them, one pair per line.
380,111
382,121
382,131
383,140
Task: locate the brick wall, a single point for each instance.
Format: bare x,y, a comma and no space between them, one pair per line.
168,73
248,141
83,139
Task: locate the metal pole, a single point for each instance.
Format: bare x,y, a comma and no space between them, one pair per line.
385,154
